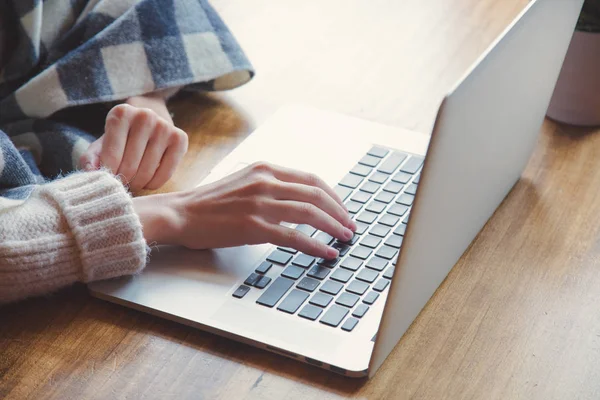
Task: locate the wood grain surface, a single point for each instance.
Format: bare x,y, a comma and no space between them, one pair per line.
518,316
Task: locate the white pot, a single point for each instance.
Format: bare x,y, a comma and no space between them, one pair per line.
576,98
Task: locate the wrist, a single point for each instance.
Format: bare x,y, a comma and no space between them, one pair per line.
159,217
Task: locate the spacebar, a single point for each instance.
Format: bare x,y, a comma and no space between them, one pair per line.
275,292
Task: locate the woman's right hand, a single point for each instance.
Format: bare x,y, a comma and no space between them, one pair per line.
248,207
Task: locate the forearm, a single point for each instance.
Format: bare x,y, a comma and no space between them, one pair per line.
81,228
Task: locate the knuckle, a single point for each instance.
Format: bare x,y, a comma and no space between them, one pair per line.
313,179
260,185
293,236
262,167
317,194
120,111
306,210
145,116
180,138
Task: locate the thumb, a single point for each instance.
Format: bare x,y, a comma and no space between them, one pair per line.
90,160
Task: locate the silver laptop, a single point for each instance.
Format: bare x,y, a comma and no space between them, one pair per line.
418,202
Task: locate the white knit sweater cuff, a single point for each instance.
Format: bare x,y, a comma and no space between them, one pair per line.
107,231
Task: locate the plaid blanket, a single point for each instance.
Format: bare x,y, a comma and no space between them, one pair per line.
65,53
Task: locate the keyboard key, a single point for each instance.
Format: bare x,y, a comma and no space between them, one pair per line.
352,181
341,247
367,217
293,301
381,285
417,179
367,275
324,238
405,220
360,310
371,298
389,273
397,209
347,300
411,189
321,299
342,191
378,177
369,161
331,287
378,152
310,312
376,263
401,177
360,228
353,206
241,291
275,292
349,324
376,207
334,316
370,241
361,252
263,268
306,229
357,287
384,197
351,263
394,241
400,230
279,257
386,252
391,164
389,220
370,187
361,197
292,272
406,199
393,187
319,272
329,263
308,284
252,279
361,170
303,261
262,282
379,230
288,250
341,275
412,165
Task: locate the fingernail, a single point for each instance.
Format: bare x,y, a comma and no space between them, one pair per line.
353,226
332,253
88,166
348,233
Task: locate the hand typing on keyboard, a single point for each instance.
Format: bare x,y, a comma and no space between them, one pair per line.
248,207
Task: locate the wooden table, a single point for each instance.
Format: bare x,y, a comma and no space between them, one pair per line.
519,315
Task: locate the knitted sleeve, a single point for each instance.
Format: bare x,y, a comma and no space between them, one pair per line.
79,228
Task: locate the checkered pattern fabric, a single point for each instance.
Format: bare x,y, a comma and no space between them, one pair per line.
69,53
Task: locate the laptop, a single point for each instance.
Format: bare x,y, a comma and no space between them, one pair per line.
418,201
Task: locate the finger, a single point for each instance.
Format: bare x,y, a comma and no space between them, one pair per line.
305,178
157,145
287,237
170,160
115,136
90,160
315,196
304,213
137,139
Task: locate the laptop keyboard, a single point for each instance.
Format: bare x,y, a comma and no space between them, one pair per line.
379,193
